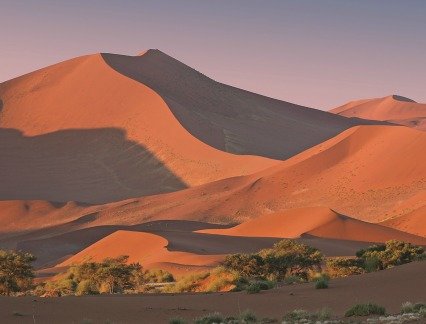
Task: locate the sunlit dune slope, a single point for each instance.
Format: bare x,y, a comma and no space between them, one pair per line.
316,221
148,249
413,222
395,109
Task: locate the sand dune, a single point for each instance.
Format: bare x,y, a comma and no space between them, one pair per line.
80,131
148,249
104,127
395,109
316,221
362,173
413,222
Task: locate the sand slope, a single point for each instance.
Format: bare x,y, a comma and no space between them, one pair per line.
80,131
150,250
413,222
316,221
362,173
395,109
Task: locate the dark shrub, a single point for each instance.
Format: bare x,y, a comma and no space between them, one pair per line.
365,310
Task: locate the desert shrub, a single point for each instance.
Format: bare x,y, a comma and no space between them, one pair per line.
248,316
108,276
285,258
322,314
343,267
321,283
157,275
177,320
266,284
365,310
213,318
16,271
189,283
247,265
409,307
86,287
392,253
289,280
253,288
296,315
60,287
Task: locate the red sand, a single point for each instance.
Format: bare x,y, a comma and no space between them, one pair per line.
413,222
395,109
150,250
318,222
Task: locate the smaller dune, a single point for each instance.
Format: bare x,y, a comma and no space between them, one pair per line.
148,249
315,221
413,222
395,109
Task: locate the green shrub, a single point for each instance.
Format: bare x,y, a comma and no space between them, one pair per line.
365,310
189,283
409,307
321,283
253,288
213,318
86,287
392,253
16,271
322,314
248,316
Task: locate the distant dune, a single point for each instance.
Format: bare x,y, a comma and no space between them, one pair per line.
394,109
316,221
104,127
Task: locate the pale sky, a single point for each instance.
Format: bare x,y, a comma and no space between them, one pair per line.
315,53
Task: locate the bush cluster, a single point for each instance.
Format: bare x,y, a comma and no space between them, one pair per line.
286,258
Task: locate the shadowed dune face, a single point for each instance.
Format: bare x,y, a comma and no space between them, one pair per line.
95,166
228,118
395,109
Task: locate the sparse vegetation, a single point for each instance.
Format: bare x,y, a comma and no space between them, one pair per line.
321,283
16,272
343,267
409,307
213,318
365,310
303,315
177,320
392,253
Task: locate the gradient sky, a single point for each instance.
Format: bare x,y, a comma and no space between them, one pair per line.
318,53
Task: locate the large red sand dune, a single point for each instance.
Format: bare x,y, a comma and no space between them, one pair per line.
316,221
395,109
105,127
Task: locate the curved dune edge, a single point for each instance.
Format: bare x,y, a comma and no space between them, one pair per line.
413,222
148,249
394,109
316,221
129,131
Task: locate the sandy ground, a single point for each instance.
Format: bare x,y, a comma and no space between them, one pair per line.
394,109
389,288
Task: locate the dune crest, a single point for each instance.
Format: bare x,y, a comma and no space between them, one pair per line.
148,249
395,109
